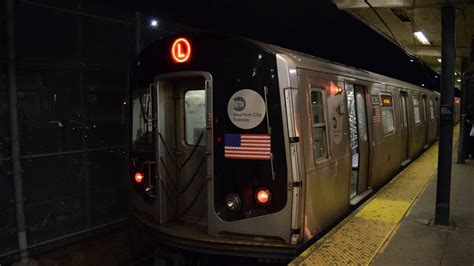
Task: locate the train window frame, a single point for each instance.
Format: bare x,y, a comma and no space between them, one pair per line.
184,131
389,108
323,125
416,108
432,112
142,104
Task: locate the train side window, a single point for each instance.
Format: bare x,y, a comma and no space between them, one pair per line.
432,115
319,124
195,117
416,110
388,121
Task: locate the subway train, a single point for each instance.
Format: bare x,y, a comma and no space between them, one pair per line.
244,148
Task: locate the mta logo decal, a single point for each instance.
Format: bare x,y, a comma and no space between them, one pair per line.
239,103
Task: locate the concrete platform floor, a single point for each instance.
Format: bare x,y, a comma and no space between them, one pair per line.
416,241
108,249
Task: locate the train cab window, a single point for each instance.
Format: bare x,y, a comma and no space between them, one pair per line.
388,122
319,124
432,115
141,121
195,117
416,110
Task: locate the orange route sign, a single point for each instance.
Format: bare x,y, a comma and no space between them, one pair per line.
181,50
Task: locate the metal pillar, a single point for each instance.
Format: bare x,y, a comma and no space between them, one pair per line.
138,32
14,133
462,123
448,53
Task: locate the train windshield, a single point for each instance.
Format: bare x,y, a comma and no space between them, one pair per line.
142,136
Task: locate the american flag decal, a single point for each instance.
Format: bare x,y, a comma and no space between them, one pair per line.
247,146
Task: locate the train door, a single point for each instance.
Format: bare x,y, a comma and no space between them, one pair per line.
425,117
181,140
359,140
404,128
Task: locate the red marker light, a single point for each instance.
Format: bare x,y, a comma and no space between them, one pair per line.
263,196
335,90
181,50
139,177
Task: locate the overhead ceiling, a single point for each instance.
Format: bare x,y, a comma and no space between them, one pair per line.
398,19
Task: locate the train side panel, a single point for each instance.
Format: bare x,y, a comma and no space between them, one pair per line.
326,151
385,122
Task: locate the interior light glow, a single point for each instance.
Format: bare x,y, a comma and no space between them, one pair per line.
439,60
421,38
181,50
154,23
458,80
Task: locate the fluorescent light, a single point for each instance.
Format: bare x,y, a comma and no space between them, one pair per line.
458,80
421,38
439,60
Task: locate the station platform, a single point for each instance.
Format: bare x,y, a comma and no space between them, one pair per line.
395,226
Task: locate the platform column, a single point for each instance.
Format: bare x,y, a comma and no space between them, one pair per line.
14,133
463,132
448,54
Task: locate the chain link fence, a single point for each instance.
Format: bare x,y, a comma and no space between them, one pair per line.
72,79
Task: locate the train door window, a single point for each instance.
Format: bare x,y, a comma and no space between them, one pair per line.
319,124
388,122
425,116
432,115
141,121
416,110
404,109
195,117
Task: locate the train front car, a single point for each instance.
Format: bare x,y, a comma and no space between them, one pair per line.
208,153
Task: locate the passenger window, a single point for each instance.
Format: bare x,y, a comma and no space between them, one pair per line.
195,117
432,109
388,122
416,110
319,125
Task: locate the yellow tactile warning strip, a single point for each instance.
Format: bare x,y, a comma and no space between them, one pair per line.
359,237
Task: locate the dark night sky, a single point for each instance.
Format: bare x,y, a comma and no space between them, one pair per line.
313,27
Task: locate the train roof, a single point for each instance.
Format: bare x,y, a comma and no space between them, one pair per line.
305,61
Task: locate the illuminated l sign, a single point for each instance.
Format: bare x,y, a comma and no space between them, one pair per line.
181,50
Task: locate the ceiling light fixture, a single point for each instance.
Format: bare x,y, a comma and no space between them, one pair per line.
421,38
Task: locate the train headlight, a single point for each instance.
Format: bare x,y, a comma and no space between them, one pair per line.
233,202
139,177
263,196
